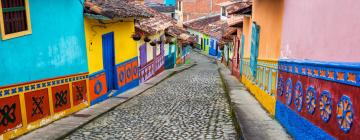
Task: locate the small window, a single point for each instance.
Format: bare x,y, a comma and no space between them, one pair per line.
223,11
179,5
14,18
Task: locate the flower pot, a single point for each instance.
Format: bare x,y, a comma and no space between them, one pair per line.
153,43
147,39
136,37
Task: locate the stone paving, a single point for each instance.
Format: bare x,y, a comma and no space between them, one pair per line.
188,105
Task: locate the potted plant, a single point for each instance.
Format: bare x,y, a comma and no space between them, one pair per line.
147,39
153,43
136,37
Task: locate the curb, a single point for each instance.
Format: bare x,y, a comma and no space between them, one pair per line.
234,115
71,123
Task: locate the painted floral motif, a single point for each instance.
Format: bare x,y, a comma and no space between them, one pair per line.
280,86
325,106
344,113
288,90
298,96
310,99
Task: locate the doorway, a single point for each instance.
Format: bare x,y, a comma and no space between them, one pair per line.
109,59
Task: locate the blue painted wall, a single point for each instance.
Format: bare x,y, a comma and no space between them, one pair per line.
297,126
170,2
55,48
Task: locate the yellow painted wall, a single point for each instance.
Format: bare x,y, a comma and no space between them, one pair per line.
268,15
125,46
247,35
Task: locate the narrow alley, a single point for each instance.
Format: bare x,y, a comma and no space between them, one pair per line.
189,105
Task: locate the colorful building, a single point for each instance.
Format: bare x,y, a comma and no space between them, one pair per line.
42,80
151,45
208,32
319,70
260,45
293,67
187,10
112,53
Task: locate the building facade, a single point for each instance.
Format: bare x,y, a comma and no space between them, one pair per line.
42,80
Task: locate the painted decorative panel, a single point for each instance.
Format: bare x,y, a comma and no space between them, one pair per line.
37,105
324,96
10,113
61,97
97,87
128,75
34,101
79,91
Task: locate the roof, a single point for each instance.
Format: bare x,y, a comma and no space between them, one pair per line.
113,9
161,7
240,8
216,29
200,23
236,20
153,24
227,3
209,25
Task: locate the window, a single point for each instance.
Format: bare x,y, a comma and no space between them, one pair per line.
179,5
223,11
14,18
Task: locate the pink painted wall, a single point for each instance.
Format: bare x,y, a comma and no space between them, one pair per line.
326,30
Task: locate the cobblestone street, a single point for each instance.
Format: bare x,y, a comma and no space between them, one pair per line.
189,105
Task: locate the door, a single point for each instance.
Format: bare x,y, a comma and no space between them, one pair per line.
254,49
109,59
143,55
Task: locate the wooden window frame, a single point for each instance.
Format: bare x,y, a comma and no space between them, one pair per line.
17,34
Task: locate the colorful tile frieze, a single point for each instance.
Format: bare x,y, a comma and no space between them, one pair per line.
128,74
324,94
36,85
32,102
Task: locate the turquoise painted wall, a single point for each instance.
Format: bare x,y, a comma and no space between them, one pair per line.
170,2
55,48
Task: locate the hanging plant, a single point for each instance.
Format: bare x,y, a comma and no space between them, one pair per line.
153,43
147,39
136,37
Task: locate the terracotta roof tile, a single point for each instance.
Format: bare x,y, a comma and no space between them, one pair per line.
114,9
154,24
239,7
210,25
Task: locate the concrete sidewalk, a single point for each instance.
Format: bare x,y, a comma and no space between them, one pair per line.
255,123
61,128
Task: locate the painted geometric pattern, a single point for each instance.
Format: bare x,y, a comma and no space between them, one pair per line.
97,84
127,72
345,113
10,113
36,97
320,87
310,100
325,105
36,85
